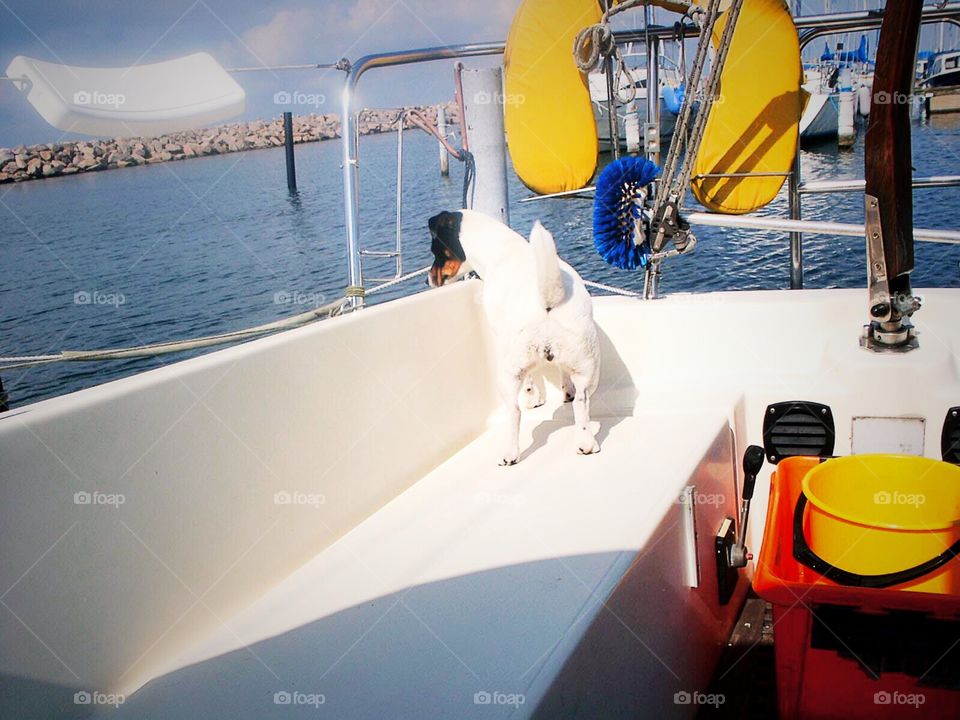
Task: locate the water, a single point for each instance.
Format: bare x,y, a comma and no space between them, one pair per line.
204,246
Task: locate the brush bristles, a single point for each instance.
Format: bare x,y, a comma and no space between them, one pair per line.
615,211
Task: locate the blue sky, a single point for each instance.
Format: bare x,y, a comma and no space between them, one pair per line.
249,33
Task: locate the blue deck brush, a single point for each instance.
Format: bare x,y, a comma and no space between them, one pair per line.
615,211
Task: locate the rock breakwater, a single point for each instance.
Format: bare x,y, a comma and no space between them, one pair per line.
72,157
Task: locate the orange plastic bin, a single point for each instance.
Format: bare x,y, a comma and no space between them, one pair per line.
821,670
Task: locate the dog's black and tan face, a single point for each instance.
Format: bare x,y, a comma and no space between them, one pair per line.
448,254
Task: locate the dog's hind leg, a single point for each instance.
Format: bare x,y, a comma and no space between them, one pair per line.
569,391
584,385
509,385
533,392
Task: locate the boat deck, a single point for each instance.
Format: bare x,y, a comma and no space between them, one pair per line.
483,579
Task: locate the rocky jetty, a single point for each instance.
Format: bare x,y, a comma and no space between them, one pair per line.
69,158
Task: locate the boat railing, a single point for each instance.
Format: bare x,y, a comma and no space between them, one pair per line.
349,133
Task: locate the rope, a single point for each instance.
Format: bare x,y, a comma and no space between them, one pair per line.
676,174
611,289
596,41
173,346
461,154
590,43
458,95
424,123
469,175
139,351
397,281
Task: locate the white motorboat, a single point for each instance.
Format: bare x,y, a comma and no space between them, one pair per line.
942,78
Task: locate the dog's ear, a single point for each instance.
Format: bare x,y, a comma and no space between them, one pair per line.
445,230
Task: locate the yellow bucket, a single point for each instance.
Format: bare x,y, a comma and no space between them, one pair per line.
882,521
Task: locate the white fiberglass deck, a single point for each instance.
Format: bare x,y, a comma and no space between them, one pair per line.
481,579
320,513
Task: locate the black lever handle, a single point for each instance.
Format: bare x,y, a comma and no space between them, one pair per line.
752,462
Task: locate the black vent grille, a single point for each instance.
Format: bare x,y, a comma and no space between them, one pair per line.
950,438
798,428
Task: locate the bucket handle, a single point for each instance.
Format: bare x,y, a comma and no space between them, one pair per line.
806,556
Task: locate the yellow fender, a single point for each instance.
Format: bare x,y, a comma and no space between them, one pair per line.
549,118
753,124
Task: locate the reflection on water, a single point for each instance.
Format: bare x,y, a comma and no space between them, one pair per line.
218,244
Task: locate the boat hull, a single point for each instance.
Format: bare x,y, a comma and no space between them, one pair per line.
821,117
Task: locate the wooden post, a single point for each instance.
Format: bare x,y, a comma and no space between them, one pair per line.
442,129
288,145
887,160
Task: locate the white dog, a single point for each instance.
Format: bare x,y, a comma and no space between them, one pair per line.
538,307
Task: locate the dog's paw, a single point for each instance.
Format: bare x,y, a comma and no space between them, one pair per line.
508,461
587,444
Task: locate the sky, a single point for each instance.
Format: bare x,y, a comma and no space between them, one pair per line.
246,33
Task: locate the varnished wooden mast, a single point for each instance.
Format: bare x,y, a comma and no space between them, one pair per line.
888,170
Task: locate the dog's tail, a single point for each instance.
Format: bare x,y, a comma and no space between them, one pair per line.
547,263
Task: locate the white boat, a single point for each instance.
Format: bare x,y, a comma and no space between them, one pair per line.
864,88
820,117
315,522
631,96
840,85
943,71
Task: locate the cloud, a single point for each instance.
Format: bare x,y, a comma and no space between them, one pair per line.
328,31
447,21
283,38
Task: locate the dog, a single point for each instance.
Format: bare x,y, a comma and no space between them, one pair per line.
539,310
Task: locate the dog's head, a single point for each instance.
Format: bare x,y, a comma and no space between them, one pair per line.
449,259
